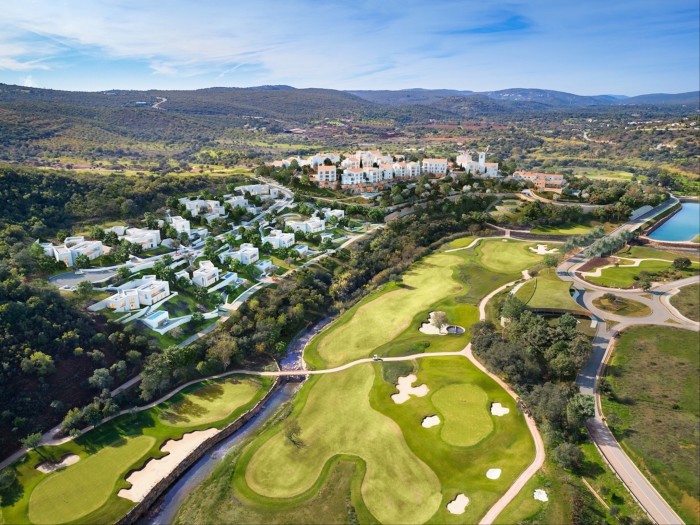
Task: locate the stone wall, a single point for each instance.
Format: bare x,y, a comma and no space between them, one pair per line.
142,507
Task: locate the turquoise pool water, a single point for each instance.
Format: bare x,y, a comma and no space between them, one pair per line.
683,226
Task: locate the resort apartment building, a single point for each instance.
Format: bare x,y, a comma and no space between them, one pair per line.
71,248
206,275
477,167
278,239
320,158
312,225
542,181
434,166
325,175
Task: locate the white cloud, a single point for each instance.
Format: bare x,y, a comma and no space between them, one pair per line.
28,81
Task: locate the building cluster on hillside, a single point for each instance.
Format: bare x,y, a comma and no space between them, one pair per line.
72,248
371,170
147,239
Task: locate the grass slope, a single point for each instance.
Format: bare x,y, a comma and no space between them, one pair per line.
86,492
546,290
624,276
687,301
623,306
655,410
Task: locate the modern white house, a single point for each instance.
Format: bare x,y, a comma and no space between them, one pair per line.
71,248
434,166
124,301
202,206
246,254
181,225
146,238
302,249
264,266
206,275
151,290
182,274
156,319
254,189
278,239
140,292
312,225
237,201
328,213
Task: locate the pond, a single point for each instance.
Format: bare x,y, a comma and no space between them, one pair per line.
683,226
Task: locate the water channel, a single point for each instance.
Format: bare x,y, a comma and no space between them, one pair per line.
683,226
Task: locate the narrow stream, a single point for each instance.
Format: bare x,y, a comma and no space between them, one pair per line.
164,510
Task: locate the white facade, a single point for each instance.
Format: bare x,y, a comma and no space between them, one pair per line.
312,225
202,206
434,166
156,319
279,239
124,301
264,266
181,225
246,254
325,174
328,213
320,158
480,167
146,238
152,290
255,189
351,162
387,171
72,248
206,275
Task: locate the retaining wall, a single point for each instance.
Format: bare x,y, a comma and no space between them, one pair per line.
142,507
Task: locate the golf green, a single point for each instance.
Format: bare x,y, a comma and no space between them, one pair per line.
465,412
76,491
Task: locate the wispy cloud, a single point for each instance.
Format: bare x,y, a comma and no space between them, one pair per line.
511,24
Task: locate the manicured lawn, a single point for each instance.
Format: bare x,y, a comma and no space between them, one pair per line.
623,306
453,402
459,243
546,290
624,276
84,487
563,229
86,492
645,252
211,401
655,410
505,256
687,301
411,472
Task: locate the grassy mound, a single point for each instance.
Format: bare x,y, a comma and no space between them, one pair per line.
623,306
687,301
546,290
465,414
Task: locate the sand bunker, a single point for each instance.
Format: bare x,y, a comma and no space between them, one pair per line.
498,410
540,495
142,481
47,466
493,473
430,421
430,329
541,249
457,505
406,390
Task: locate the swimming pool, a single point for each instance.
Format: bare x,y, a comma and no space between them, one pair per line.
683,226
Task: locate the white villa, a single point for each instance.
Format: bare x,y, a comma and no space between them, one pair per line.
312,225
71,248
328,213
156,319
246,254
278,239
141,292
480,167
255,189
206,275
146,238
239,201
181,225
206,207
264,266
434,166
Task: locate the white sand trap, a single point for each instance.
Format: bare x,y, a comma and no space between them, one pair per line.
430,329
406,390
457,505
541,249
142,481
540,495
430,421
493,473
47,466
498,410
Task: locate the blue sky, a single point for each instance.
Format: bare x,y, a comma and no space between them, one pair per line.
585,47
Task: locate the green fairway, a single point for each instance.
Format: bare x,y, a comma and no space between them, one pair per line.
687,301
211,401
546,290
563,229
465,414
411,472
282,469
505,256
381,317
86,492
655,410
76,491
623,306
